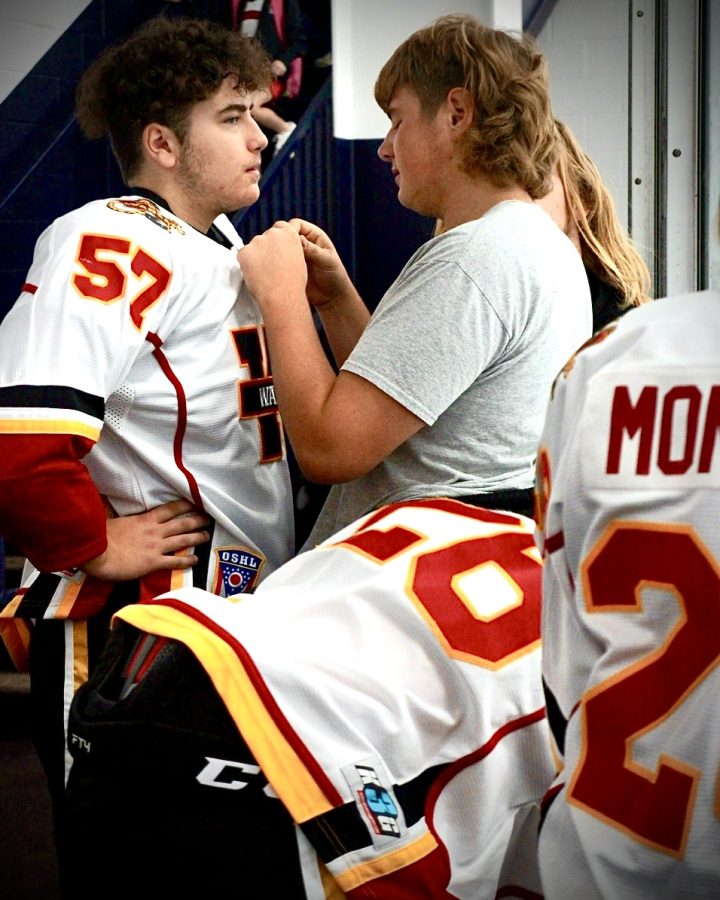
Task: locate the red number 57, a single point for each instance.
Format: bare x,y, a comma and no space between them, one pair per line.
104,275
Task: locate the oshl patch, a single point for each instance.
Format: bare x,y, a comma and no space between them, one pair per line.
236,570
375,800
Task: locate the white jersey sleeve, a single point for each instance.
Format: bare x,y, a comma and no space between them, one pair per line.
388,683
631,613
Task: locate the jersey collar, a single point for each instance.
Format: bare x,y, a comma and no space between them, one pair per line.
214,233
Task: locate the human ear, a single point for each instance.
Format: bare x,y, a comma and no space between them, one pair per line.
160,145
461,109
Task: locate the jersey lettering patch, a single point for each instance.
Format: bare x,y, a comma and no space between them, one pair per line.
237,570
650,431
376,801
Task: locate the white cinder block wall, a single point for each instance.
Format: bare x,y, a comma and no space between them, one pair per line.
28,28
586,43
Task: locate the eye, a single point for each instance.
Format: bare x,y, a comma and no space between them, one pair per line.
231,120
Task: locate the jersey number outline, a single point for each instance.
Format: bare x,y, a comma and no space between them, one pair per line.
104,278
434,583
256,395
653,807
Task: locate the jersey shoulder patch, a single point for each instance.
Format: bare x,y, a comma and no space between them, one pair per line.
144,207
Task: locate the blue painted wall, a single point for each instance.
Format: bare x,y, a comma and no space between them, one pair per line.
376,235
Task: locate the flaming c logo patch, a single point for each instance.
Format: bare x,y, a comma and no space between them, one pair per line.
150,210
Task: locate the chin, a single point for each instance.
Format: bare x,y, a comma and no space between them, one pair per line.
249,197
413,207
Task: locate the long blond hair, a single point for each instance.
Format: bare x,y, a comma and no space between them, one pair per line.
606,248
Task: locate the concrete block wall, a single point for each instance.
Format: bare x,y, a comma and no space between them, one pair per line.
46,166
41,163
586,43
28,29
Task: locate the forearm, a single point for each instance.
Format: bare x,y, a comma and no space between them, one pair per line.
302,377
344,320
284,268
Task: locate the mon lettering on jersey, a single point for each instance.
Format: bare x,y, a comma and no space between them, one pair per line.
652,429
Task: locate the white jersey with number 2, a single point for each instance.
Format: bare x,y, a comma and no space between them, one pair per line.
631,609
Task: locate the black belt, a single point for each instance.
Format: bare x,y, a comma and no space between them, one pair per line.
516,500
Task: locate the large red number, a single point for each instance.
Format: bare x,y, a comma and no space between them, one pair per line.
143,263
507,554
104,278
492,641
655,807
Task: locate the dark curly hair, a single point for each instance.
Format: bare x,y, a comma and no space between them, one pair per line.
157,75
512,139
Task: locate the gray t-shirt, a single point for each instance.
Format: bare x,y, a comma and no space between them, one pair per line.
469,338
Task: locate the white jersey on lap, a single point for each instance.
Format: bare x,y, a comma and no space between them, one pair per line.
388,683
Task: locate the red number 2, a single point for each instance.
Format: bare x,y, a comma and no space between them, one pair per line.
655,807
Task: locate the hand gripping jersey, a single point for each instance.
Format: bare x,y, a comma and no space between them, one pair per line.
631,610
136,357
388,684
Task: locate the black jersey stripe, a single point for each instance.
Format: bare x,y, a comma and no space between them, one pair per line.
556,720
54,397
38,596
343,829
200,569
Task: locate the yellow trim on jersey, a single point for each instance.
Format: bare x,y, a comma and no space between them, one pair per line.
181,577
8,611
49,426
389,862
69,595
285,771
80,652
15,634
330,887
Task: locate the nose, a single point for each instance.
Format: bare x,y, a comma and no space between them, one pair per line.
258,139
385,150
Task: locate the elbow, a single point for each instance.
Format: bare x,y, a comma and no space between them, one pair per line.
323,467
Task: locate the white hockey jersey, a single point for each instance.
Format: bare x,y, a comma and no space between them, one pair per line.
388,683
631,615
135,337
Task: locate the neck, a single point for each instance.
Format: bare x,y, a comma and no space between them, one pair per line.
474,197
180,205
189,212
